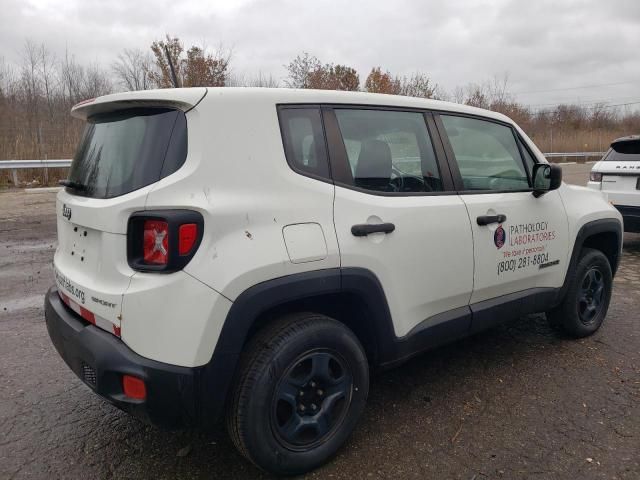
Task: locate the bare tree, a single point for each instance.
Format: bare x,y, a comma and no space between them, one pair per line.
477,95
132,69
95,82
498,89
48,77
71,77
417,85
300,70
7,79
458,95
32,92
261,80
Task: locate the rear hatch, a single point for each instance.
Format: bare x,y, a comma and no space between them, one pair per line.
130,142
620,169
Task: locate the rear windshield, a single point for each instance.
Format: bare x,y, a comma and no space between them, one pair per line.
628,151
123,151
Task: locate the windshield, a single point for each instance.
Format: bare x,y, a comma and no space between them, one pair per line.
628,151
123,151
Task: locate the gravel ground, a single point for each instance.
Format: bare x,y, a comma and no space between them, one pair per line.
513,402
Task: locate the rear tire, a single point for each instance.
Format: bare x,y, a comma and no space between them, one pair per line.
586,302
301,388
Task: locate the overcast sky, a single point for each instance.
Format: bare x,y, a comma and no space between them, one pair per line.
549,47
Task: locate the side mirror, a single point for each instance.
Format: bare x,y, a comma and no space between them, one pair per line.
546,177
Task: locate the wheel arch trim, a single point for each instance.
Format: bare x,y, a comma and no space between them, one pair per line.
217,376
590,229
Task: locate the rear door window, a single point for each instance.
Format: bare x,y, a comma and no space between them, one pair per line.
123,151
389,151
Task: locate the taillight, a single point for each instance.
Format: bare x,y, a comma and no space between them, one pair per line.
187,236
155,249
163,240
595,176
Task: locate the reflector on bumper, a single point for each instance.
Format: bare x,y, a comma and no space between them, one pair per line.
90,317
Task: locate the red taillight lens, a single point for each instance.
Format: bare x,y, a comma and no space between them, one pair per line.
595,177
187,236
133,387
163,240
156,242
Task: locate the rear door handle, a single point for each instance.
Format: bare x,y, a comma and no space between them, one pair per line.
364,229
488,219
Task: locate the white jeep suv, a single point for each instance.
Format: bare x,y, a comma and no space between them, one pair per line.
254,253
618,175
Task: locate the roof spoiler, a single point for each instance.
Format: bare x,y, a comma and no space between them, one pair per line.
179,98
630,138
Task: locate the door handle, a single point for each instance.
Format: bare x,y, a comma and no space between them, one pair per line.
488,219
364,229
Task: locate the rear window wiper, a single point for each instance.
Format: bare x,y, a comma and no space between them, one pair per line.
71,184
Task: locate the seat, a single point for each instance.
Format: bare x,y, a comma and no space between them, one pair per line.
375,166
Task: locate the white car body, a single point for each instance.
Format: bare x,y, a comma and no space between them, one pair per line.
263,221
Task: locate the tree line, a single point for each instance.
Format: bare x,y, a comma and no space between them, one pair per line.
38,91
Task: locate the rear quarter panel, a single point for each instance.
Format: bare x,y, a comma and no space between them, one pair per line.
237,176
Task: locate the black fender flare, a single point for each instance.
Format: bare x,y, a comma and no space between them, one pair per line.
216,377
604,225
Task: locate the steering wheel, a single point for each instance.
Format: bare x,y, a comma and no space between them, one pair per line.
403,182
397,180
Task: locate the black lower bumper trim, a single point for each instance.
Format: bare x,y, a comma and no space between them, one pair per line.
100,359
631,217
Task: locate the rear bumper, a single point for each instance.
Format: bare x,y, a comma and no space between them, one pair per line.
631,217
100,359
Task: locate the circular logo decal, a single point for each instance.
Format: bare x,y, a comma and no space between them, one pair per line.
499,237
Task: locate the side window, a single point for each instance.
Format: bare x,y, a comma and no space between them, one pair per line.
389,151
303,139
486,153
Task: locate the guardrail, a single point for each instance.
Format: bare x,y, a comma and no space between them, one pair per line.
15,165
22,164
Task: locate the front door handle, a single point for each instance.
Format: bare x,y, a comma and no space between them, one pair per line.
364,229
487,219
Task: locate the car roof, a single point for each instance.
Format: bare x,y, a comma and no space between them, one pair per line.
185,98
295,95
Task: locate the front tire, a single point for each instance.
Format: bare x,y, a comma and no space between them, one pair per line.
302,386
586,302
